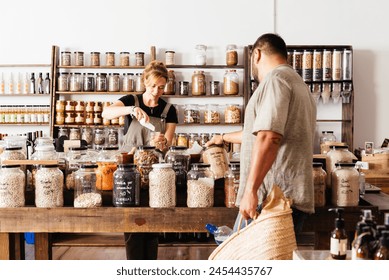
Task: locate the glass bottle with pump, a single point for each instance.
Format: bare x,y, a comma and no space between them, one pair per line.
338,244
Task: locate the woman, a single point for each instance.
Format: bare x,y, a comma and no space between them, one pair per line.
150,108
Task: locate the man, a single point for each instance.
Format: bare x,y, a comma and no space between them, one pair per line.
277,137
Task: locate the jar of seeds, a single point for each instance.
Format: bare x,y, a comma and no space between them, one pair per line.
162,186
49,186
201,183
12,186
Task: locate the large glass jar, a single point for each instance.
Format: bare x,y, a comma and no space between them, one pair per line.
231,82
87,136
180,159
75,82
231,184
191,114
170,87
13,153
216,156
107,162
126,186
101,82
86,194
327,138
232,114
212,114
345,185
42,152
12,186
144,158
128,82
201,183
139,84
63,81
88,82
319,184
113,82
198,83
162,186
48,186
231,55
336,154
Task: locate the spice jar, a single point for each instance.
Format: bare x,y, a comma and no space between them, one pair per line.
69,117
170,87
231,82
183,88
128,82
232,114
86,194
89,106
212,114
169,58
110,58
182,140
95,59
66,58
162,186
337,153
88,82
88,118
216,156
231,55
201,183
231,184
49,186
126,186
101,82
179,157
201,55
113,82
144,158
345,185
59,118
63,81
107,161
60,106
319,184
79,58
12,186
139,59
124,59
198,83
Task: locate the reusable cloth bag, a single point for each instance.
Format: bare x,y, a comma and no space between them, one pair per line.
269,237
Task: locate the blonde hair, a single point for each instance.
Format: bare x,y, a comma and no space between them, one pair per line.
153,71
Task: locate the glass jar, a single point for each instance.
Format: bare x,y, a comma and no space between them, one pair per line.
216,156
101,82
170,87
107,161
327,65
95,59
89,106
86,194
198,83
232,114
179,157
298,62
113,82
326,139
337,153
319,184
49,186
182,140
347,64
139,59
60,106
75,82
63,81
126,186
63,132
231,55
307,65
97,119
87,136
183,88
110,58
74,157
231,184
212,114
201,183
75,133
336,65
204,138
124,59
169,58
144,158
128,82
12,153
317,67
88,118
79,58
214,87
113,137
201,55
12,186
66,58
59,118
88,82
99,138
162,186
193,137
191,114
345,185
231,82
139,84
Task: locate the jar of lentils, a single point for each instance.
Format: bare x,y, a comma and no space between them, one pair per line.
12,186
201,183
49,186
162,186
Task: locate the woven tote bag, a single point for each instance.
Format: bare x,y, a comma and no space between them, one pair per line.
269,237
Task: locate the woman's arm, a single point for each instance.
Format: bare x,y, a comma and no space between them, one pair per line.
118,109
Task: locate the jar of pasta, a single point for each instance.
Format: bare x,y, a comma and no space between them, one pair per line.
201,184
231,82
162,186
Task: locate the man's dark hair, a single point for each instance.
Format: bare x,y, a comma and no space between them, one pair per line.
271,44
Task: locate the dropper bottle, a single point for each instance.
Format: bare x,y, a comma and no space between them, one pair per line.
338,243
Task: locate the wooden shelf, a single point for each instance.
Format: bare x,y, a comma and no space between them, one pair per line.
24,65
97,92
210,124
201,96
24,124
87,125
24,94
100,67
206,66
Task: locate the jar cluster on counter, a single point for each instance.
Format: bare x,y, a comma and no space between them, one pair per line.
123,59
212,114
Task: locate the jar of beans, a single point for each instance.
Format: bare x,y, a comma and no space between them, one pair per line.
162,186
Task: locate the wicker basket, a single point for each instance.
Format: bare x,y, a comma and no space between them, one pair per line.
269,237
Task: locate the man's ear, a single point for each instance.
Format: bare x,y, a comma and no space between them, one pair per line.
256,55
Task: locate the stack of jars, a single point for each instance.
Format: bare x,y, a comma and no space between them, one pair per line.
69,112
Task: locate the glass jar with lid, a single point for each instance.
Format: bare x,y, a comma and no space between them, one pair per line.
231,82
128,82
75,133
139,84
201,184
231,184
99,138
191,114
216,156
124,59
170,87
162,186
204,138
214,88
182,140
193,137
86,194
170,57
345,185
75,82
95,59
63,81
179,157
198,83
12,186
126,186
79,58
66,58
232,113
144,158
139,59
107,162
327,138
231,55
63,132
87,136
183,88
113,137
101,82
319,184
201,55
113,82
13,153
49,186
110,58
88,82
74,157
337,153
212,114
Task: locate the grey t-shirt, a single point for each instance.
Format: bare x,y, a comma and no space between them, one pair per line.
283,103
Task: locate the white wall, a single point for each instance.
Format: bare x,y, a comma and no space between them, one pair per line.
29,29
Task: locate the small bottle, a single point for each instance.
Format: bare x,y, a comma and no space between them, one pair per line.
11,84
361,248
46,84
382,253
2,85
338,244
220,233
19,84
32,84
40,84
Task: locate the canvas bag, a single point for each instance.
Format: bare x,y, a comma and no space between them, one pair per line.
269,237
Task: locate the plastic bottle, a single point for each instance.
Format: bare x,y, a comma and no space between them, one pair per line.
338,243
382,253
220,233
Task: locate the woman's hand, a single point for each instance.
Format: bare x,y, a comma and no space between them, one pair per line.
215,140
139,114
158,140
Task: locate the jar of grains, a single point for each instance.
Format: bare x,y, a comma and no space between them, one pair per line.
319,183
95,59
337,153
201,55
144,158
110,58
66,58
79,58
201,183
49,186
139,59
345,185
12,186
124,59
139,83
128,82
231,82
75,133
99,138
101,82
232,114
231,55
180,158
86,194
216,156
87,136
107,161
75,82
162,186
126,186
88,82
170,87
113,82
326,139
63,81
212,114
169,58
198,83
231,184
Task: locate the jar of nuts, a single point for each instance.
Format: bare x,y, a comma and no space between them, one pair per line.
232,114
212,114
162,186
201,183
144,158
